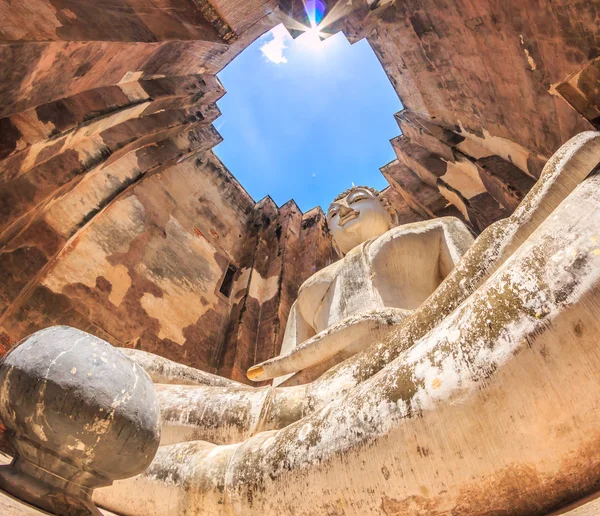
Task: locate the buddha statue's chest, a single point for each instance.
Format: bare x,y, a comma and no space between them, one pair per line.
344,291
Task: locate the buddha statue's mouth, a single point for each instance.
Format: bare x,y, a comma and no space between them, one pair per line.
347,218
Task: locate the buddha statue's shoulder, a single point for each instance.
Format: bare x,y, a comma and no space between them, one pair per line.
422,231
315,287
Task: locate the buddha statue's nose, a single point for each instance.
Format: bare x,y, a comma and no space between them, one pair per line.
344,210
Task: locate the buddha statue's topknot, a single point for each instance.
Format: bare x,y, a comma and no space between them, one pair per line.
375,192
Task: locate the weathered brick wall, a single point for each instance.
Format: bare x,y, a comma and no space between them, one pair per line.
290,247
147,272
114,216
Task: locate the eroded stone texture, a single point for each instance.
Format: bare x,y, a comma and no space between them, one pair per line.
492,75
10,506
116,218
148,270
582,91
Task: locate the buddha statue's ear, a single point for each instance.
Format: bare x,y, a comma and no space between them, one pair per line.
333,242
394,218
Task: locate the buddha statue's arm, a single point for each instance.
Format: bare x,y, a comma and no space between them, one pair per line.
340,340
297,330
164,371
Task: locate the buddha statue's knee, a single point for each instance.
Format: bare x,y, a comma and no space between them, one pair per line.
79,415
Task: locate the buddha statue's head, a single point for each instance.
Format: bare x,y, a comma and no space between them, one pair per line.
357,215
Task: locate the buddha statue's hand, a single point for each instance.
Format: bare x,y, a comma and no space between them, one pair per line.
342,340
164,371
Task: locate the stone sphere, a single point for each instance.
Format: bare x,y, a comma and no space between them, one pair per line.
76,406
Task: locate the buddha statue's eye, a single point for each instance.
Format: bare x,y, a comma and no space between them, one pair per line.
357,196
333,211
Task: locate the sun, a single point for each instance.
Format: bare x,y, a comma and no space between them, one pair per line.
312,39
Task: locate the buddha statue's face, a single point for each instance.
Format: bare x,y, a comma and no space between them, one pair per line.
356,218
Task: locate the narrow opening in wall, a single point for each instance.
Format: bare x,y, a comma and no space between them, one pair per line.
227,284
305,118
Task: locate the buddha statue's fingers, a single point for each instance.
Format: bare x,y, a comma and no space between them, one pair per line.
224,415
186,478
343,339
165,371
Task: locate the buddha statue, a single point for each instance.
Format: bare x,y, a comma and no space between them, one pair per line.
384,274
477,398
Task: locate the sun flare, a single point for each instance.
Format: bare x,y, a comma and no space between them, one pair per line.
312,39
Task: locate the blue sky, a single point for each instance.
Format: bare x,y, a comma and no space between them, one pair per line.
305,119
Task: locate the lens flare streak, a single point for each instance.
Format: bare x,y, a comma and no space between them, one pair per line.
319,17
315,11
